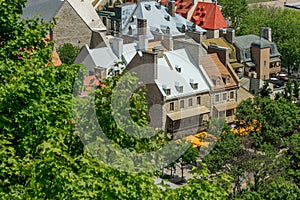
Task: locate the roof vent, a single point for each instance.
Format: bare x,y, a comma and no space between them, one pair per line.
148,7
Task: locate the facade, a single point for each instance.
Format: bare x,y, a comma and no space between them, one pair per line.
259,55
178,95
224,89
76,21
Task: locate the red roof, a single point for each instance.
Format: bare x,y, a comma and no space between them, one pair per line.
208,16
183,7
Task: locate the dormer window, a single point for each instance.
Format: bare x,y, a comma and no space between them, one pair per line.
193,84
167,90
179,88
218,81
178,68
158,6
148,7
167,17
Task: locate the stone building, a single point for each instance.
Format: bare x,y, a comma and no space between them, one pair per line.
76,21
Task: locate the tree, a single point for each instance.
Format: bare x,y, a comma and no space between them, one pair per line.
189,157
276,117
296,89
234,10
284,24
265,91
68,53
288,91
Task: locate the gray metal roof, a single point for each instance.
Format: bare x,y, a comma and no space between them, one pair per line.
46,8
158,19
245,42
168,76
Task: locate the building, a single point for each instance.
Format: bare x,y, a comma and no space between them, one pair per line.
259,55
146,18
225,85
178,89
76,21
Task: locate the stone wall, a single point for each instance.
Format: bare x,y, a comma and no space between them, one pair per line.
70,28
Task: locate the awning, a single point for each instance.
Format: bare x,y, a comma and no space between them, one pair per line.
276,59
250,64
188,113
236,65
226,106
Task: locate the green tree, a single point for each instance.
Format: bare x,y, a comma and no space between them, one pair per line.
68,53
284,24
234,10
265,91
288,91
296,89
276,117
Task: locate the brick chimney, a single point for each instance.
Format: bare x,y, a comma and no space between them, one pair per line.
143,43
142,26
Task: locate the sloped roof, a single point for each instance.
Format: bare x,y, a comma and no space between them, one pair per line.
215,69
222,42
158,19
168,75
183,7
208,16
245,42
47,9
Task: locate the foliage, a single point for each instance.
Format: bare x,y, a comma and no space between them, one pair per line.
276,117
284,23
265,91
68,53
296,89
288,91
234,10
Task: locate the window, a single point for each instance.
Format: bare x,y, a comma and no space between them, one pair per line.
265,77
182,104
168,91
231,95
229,113
195,86
224,96
217,98
198,100
222,114
180,89
191,102
171,106
265,63
178,68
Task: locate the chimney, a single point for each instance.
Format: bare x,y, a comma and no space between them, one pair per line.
222,32
168,42
159,50
222,53
265,32
117,46
142,26
171,7
230,35
143,43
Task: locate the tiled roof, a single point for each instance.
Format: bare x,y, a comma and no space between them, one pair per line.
245,42
216,70
208,16
183,7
